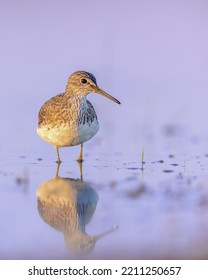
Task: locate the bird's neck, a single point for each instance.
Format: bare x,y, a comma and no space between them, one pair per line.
77,98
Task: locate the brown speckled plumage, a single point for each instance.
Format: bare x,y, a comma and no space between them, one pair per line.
61,109
69,119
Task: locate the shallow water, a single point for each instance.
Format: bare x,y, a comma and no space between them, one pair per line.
152,209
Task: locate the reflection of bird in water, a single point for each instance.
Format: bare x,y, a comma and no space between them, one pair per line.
69,119
68,205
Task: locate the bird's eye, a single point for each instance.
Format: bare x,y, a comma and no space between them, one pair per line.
83,81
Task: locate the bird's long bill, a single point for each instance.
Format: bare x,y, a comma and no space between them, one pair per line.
103,93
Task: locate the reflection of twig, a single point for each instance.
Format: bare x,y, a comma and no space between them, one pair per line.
57,169
184,166
80,169
143,162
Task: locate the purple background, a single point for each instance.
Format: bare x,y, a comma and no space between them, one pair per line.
151,55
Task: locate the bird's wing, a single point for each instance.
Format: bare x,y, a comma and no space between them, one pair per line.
52,110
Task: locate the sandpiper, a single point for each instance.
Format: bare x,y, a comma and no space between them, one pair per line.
69,119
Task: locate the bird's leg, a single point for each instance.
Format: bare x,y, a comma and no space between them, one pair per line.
80,154
80,170
57,155
57,170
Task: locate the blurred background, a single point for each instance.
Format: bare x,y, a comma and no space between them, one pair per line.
151,55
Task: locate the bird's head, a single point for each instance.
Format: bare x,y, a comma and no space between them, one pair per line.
82,82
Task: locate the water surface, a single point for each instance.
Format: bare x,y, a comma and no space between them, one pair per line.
119,208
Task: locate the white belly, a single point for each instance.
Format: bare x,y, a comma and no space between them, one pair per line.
64,135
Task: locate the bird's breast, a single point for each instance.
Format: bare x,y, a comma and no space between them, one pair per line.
66,135
68,125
